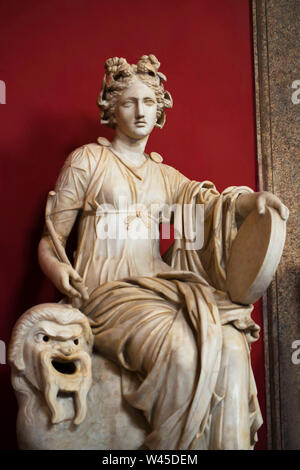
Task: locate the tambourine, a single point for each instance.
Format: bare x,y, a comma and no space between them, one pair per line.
255,255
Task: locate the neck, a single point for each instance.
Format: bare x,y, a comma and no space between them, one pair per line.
133,148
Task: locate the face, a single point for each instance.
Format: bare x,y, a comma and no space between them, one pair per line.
49,340
57,362
136,110
63,340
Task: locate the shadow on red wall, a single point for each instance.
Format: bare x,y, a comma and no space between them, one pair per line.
52,56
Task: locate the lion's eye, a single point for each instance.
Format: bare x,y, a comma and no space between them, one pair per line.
76,341
45,338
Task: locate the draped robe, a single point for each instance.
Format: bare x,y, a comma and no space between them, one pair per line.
168,321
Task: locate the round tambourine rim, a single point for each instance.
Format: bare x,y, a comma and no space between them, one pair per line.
269,260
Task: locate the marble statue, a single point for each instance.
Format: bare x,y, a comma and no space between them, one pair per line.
170,366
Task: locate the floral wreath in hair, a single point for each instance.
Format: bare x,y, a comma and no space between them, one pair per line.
117,73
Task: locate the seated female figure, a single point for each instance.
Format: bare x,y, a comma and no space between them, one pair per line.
168,321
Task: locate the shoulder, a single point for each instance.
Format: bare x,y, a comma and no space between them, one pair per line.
167,170
173,175
84,157
158,159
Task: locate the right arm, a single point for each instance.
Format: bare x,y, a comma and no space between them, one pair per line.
63,275
70,192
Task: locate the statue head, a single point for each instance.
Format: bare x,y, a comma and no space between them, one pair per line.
120,76
50,351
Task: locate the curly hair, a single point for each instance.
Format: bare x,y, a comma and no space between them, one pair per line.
119,75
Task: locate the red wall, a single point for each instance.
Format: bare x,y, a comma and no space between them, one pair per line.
52,55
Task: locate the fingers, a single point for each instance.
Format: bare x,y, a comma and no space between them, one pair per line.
82,289
284,212
66,286
261,204
266,199
74,274
277,204
78,283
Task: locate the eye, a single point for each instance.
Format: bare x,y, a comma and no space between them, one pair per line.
41,337
76,341
127,104
149,102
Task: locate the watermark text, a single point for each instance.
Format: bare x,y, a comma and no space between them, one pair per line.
296,94
2,352
2,92
141,222
296,354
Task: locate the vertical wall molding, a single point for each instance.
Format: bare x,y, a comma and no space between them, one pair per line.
276,43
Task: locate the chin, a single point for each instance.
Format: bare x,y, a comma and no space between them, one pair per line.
138,135
139,132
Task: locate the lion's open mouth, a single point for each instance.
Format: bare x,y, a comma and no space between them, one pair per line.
64,367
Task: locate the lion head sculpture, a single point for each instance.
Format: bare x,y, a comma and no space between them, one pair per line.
50,352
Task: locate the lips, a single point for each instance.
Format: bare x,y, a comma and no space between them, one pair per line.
140,123
65,364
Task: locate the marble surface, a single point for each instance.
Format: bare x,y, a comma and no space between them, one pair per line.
110,423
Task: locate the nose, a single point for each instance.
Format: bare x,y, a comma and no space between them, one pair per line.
140,109
67,349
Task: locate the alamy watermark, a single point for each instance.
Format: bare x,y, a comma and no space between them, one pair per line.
2,352
141,222
2,92
296,94
296,354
